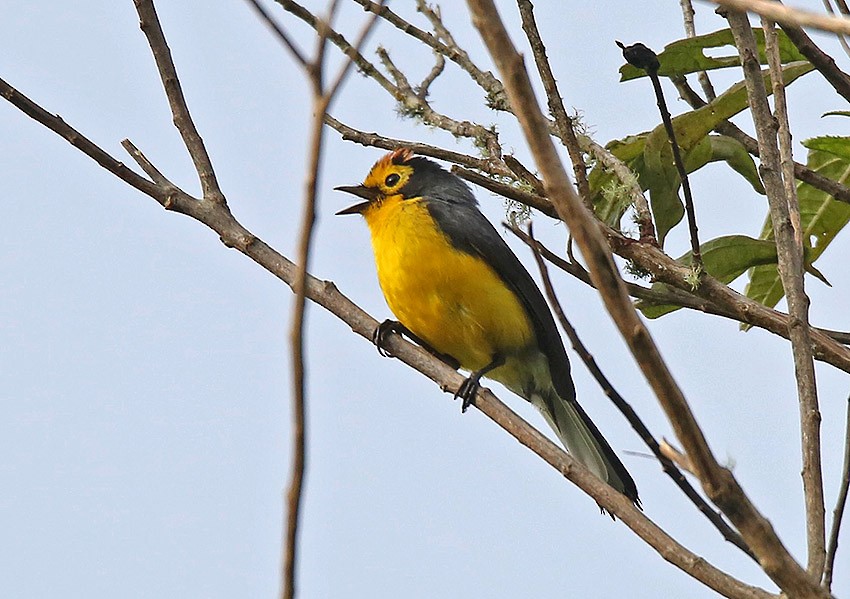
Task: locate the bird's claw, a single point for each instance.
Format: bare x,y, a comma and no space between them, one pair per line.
382,333
467,391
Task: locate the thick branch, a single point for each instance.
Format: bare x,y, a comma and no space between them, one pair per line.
625,407
718,482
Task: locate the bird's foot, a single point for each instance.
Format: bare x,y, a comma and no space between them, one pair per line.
388,327
467,391
382,333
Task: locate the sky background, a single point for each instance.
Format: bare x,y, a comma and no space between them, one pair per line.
144,367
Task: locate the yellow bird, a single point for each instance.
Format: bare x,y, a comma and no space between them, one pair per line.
455,285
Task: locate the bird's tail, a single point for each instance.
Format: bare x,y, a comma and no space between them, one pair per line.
584,441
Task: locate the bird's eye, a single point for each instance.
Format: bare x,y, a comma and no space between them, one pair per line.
392,180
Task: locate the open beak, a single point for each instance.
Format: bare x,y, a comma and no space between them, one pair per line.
367,193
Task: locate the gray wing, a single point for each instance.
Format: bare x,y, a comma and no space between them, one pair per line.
469,231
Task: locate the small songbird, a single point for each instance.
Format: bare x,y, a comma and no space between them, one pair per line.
456,286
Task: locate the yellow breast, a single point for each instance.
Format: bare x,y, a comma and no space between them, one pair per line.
452,300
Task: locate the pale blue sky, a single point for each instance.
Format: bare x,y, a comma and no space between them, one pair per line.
144,368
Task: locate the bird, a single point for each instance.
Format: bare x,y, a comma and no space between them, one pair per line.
457,288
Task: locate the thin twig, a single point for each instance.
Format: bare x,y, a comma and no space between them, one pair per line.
718,482
322,99
492,165
279,32
150,26
842,8
676,456
840,504
424,86
791,271
690,30
642,57
625,407
443,43
563,122
823,62
627,177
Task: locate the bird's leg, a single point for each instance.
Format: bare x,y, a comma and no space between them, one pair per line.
393,326
469,388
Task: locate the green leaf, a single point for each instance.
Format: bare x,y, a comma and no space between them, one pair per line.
821,216
736,156
725,258
836,113
687,56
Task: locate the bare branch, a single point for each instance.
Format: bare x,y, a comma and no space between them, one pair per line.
690,30
788,16
491,165
676,456
838,79
840,504
56,124
625,407
322,99
149,23
720,485
408,100
443,43
563,123
791,270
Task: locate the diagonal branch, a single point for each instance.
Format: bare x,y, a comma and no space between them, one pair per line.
279,32
823,62
563,123
775,11
720,485
149,23
625,407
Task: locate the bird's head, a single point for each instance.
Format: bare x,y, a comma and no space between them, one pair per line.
402,174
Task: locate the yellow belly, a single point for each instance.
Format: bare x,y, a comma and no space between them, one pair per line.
452,300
